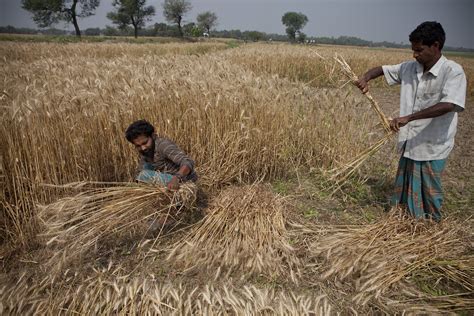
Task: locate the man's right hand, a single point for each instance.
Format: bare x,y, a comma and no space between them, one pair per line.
362,84
173,185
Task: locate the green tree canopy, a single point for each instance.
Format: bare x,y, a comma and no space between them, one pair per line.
294,22
131,12
207,20
174,10
48,12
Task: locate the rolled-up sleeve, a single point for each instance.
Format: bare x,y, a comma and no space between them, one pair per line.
392,73
454,89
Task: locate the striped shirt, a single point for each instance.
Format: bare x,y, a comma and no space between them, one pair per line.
431,138
168,158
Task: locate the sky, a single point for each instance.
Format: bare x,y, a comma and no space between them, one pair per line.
374,20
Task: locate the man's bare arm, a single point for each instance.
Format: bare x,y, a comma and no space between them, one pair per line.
433,111
363,82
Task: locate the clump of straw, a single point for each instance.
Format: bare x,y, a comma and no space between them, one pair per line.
244,231
144,296
425,304
380,255
341,174
76,224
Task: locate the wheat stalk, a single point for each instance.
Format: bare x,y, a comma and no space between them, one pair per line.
347,70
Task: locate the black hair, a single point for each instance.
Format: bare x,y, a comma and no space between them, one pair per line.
427,33
138,128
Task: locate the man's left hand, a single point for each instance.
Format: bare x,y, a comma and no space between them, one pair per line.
173,184
398,122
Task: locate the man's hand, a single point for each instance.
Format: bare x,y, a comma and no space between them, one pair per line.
362,84
173,184
398,122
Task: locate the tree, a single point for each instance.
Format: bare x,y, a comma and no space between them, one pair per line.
48,12
301,37
196,31
188,28
174,10
294,22
207,20
131,12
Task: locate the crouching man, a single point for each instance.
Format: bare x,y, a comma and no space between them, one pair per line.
161,160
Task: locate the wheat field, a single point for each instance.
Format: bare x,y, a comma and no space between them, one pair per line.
248,116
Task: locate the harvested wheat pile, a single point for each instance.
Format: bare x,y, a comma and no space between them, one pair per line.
378,256
100,296
245,231
76,224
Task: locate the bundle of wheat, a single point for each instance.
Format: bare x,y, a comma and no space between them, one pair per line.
76,224
244,231
380,255
144,296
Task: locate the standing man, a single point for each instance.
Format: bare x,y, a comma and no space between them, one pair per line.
433,90
161,160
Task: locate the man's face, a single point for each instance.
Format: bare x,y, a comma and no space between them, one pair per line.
424,54
144,144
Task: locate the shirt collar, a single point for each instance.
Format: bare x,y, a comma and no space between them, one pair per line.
436,67
434,70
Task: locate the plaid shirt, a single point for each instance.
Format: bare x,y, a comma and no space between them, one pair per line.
168,158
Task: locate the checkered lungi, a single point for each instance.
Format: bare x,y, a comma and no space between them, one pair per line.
418,187
149,175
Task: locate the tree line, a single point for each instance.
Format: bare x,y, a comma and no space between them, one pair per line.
130,17
155,30
126,13
135,14
166,30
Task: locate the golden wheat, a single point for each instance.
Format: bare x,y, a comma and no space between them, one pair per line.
75,225
378,256
65,115
244,231
100,294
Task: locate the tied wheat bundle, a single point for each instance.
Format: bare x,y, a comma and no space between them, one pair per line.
105,295
77,223
380,255
245,231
